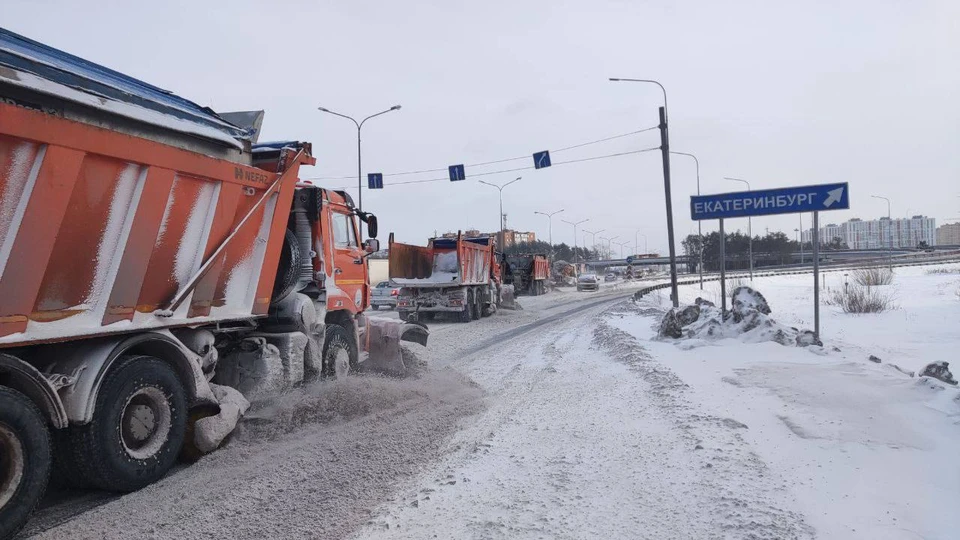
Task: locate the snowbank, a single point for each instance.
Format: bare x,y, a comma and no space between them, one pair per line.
748,320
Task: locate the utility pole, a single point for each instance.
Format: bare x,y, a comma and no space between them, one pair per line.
359,167
550,225
665,149
502,239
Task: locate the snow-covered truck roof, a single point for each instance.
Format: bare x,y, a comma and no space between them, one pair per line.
42,77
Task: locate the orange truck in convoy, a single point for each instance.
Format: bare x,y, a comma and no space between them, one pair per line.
528,273
158,268
460,276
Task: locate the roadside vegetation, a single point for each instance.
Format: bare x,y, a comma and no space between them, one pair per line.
873,277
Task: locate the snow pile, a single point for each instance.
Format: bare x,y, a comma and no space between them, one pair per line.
211,431
748,320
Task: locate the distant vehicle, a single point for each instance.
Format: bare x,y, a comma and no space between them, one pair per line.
527,273
384,295
588,282
460,276
610,277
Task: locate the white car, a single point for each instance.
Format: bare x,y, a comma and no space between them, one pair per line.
588,282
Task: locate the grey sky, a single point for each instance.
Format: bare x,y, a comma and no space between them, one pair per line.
858,91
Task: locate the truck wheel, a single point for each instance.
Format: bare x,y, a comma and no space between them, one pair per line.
404,315
375,307
466,315
24,459
288,269
340,355
138,427
478,305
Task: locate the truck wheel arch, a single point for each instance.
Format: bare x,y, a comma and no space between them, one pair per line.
26,379
89,362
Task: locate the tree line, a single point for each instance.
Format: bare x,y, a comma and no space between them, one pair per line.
772,249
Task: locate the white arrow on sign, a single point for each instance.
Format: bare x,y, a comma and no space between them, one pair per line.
833,196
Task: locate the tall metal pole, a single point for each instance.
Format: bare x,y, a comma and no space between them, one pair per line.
889,232
723,271
699,223
816,274
749,224
502,240
575,254
550,225
665,149
359,164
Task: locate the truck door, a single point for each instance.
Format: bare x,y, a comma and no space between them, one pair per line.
349,277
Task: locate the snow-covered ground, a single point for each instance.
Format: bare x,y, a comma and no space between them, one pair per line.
868,451
568,419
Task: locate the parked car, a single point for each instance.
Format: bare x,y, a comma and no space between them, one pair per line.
384,295
588,282
610,277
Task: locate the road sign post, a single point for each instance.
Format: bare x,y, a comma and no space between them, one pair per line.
816,274
765,202
723,271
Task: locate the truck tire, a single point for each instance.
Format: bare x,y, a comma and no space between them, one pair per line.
478,304
288,269
24,459
340,356
375,307
138,427
466,315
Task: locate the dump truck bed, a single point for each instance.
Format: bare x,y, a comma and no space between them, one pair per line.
445,262
100,231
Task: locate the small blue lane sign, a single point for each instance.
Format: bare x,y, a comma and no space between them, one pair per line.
630,259
457,173
375,180
541,160
767,202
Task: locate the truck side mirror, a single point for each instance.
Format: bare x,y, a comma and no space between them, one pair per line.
372,245
372,226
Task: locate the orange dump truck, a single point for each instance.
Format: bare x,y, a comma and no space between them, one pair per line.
528,273
457,275
158,268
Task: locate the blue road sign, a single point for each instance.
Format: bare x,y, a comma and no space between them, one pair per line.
630,259
375,180
541,160
765,202
457,173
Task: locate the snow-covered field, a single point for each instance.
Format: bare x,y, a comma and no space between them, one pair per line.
569,419
868,451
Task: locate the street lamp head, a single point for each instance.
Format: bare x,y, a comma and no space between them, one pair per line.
395,108
321,109
615,79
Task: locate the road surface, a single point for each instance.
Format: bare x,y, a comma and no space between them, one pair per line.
545,422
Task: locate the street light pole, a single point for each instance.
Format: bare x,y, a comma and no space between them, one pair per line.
575,225
503,239
593,239
359,126
889,231
665,150
699,224
749,224
550,225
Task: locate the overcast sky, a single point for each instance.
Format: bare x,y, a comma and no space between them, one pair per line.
866,92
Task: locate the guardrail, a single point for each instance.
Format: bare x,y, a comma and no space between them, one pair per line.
952,257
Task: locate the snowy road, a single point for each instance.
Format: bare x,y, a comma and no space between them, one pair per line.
568,420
